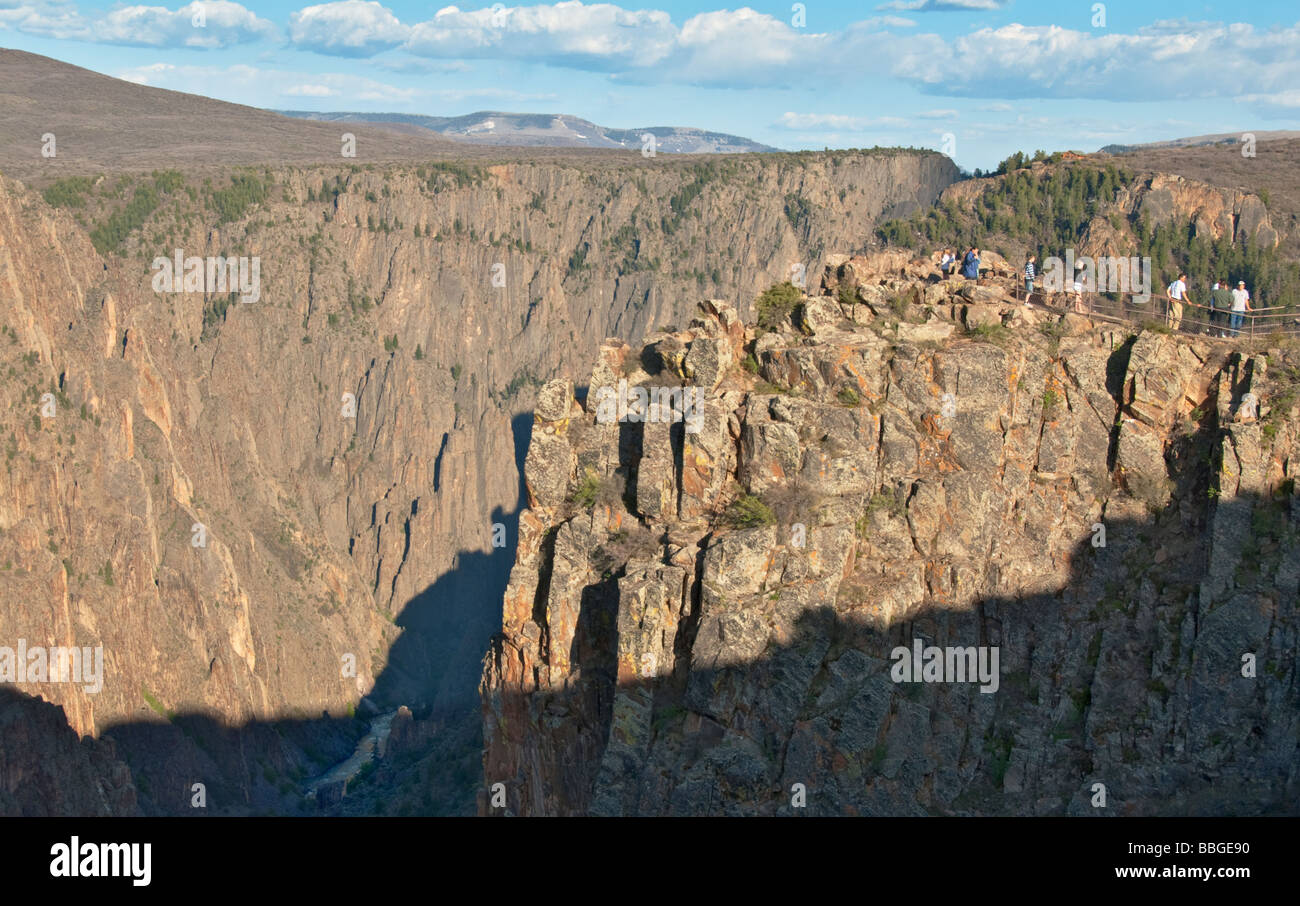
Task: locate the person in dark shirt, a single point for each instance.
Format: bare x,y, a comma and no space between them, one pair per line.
1220,305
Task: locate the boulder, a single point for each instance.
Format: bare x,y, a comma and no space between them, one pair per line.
554,401
611,358
707,361
982,316
548,467
818,314
932,331
982,293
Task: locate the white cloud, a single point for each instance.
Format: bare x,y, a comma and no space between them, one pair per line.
791,120
260,86
597,36
347,28
423,67
223,24
312,91
253,84
929,6
725,47
743,48
1163,61
386,93
887,22
142,74
1278,105
47,18
455,95
838,121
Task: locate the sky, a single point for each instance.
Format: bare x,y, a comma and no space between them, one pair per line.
976,79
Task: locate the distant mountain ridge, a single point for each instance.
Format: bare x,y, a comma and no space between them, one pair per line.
1191,141
101,123
557,130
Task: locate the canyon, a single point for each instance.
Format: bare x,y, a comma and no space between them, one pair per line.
376,508
277,515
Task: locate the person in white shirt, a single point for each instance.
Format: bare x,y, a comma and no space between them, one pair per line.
1240,305
1177,295
1079,274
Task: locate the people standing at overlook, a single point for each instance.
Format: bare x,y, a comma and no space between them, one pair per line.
1240,305
1176,294
970,268
1220,306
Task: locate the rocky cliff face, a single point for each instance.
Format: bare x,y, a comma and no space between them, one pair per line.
266,511
708,621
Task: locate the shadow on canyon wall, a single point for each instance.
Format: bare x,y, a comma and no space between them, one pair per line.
1130,673
433,667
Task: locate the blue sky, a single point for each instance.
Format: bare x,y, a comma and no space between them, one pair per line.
979,78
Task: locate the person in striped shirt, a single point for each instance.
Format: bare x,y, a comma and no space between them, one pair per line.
1029,277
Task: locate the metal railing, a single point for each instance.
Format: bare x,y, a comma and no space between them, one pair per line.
1192,319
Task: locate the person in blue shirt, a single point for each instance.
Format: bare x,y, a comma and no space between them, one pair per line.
970,265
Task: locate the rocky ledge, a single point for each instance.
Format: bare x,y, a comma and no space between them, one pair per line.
707,608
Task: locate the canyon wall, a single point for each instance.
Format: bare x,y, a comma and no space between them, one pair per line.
264,512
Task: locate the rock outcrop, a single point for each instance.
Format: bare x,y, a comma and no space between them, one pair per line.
708,621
